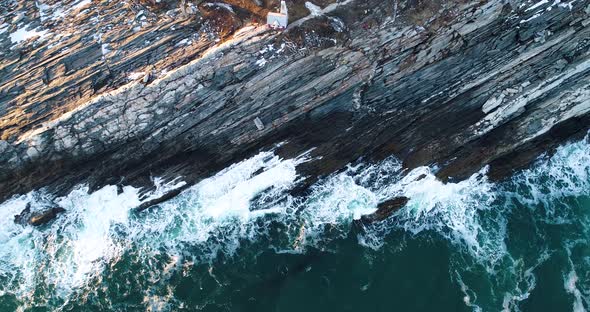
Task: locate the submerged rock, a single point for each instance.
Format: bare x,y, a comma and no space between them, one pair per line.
385,210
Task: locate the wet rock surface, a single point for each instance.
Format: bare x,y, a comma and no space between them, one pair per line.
385,210
155,201
456,84
38,217
45,216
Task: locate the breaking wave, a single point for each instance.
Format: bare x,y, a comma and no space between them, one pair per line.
247,208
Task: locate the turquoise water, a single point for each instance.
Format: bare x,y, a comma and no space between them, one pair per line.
237,242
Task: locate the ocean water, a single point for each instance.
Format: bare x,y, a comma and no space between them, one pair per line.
238,242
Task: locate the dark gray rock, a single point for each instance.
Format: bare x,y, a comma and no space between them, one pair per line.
167,196
23,217
46,216
39,217
385,210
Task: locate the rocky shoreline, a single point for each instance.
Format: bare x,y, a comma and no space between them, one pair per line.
472,84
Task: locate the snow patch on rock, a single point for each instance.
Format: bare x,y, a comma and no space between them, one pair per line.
23,34
313,9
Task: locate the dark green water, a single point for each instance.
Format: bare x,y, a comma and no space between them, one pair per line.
236,242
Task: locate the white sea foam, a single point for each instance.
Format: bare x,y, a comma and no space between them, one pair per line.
90,238
71,250
576,281
470,297
24,33
337,200
242,202
218,213
570,282
220,205
453,210
566,173
97,228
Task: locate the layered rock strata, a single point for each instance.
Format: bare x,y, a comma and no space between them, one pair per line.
475,83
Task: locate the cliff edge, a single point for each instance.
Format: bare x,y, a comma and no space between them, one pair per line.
456,84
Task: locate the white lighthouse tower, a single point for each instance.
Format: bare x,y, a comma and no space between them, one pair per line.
279,20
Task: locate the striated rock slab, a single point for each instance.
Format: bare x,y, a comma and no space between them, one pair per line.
466,85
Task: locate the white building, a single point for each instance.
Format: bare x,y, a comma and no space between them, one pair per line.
278,20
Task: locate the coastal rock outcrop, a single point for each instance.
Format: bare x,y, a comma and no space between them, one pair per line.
385,210
38,217
459,84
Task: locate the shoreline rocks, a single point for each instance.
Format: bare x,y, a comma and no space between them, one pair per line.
385,210
37,218
426,92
